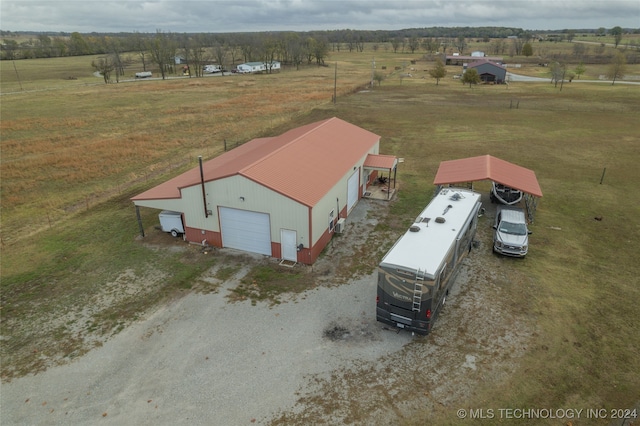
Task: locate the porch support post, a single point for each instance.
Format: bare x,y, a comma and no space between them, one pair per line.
139,221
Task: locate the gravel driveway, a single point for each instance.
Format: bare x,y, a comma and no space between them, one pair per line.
205,361
319,357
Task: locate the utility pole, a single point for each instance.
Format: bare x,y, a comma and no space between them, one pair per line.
17,75
335,83
373,68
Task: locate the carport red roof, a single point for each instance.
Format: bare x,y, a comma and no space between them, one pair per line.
487,167
303,163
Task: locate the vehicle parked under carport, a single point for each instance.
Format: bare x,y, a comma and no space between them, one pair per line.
511,235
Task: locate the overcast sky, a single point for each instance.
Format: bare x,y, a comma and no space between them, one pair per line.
180,16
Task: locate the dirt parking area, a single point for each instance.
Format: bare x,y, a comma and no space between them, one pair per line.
318,357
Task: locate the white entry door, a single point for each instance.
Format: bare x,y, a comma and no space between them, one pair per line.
352,190
288,239
245,230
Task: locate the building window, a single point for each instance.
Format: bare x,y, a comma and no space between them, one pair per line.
331,220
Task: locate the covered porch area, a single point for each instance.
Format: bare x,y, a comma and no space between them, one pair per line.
380,176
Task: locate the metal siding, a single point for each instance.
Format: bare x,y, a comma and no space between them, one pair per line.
320,212
193,209
284,212
353,192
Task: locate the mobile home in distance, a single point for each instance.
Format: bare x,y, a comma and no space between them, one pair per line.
416,274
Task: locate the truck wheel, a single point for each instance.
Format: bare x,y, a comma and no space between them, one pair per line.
174,233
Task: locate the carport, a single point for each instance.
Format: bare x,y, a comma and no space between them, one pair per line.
487,167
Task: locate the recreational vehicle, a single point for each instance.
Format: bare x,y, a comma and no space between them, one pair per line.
212,69
416,274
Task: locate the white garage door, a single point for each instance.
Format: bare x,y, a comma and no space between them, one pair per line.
245,230
352,189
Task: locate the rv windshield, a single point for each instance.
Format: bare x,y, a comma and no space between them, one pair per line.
513,228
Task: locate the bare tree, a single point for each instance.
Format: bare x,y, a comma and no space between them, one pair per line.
395,44
105,67
269,50
195,54
579,50
360,43
220,55
113,45
413,44
248,46
517,46
296,49
617,68
430,45
162,50
140,46
616,32
461,44
234,51
497,46
558,72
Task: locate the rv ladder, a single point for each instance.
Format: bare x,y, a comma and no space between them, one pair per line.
417,291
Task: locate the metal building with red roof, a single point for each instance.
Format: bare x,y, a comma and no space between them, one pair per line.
280,196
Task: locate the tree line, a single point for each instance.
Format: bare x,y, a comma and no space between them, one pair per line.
49,45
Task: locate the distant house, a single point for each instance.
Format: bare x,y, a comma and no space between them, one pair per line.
283,196
272,66
256,67
489,72
179,60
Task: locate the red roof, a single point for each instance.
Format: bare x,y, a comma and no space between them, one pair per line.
379,161
487,167
303,163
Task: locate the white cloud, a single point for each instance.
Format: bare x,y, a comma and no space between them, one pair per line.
305,15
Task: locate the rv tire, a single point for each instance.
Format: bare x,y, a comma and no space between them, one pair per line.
174,233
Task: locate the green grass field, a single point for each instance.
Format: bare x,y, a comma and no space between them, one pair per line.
75,151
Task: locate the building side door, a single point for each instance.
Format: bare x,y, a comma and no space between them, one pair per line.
288,240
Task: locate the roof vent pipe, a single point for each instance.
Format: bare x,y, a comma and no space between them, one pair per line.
204,194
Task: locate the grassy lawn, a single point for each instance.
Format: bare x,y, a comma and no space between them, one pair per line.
73,155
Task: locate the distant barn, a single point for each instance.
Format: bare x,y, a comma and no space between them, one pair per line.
489,72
